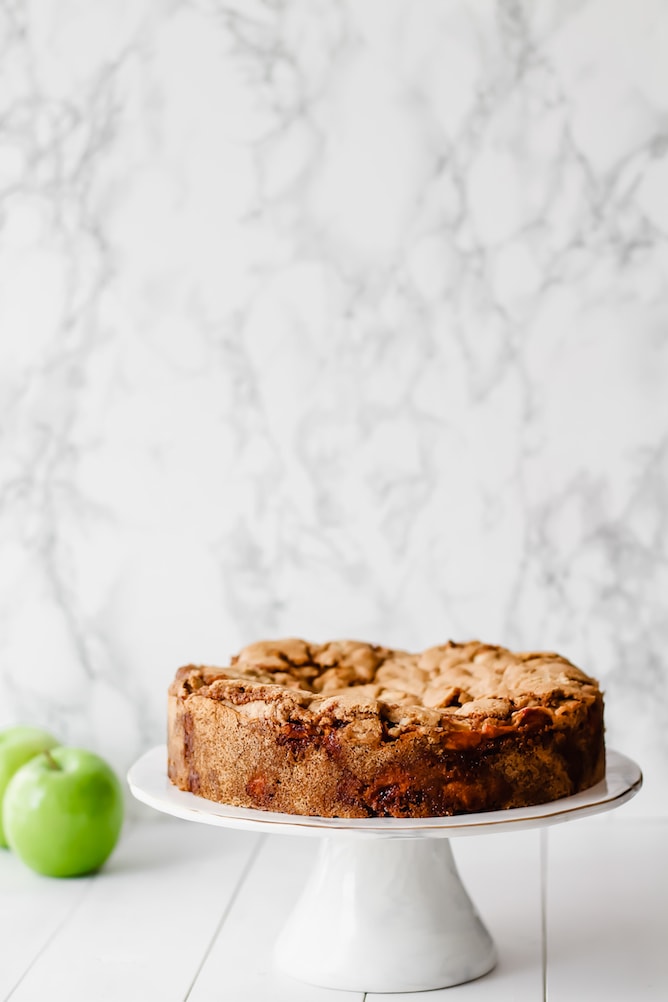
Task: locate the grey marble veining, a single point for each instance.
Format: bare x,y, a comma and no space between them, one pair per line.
331,318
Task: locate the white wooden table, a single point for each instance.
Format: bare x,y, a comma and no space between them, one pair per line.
183,911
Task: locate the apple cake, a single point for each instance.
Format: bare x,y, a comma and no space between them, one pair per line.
349,729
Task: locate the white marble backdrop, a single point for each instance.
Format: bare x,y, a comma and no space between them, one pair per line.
331,318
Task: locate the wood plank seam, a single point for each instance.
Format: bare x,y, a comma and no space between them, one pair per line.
544,850
226,911
52,936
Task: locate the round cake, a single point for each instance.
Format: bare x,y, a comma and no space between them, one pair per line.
349,729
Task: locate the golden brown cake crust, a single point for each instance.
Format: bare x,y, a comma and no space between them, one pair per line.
349,729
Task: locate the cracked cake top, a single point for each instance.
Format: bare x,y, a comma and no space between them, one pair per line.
452,686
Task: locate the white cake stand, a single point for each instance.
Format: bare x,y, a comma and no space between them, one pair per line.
384,909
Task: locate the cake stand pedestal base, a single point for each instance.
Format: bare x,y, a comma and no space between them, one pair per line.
385,915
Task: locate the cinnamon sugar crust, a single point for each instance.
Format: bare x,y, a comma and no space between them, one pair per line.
352,729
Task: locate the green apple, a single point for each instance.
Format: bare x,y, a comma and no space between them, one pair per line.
17,746
63,812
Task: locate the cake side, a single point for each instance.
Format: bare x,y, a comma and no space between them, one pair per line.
265,733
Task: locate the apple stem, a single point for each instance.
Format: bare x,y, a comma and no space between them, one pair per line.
51,760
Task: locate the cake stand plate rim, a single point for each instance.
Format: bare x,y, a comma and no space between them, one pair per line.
149,783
